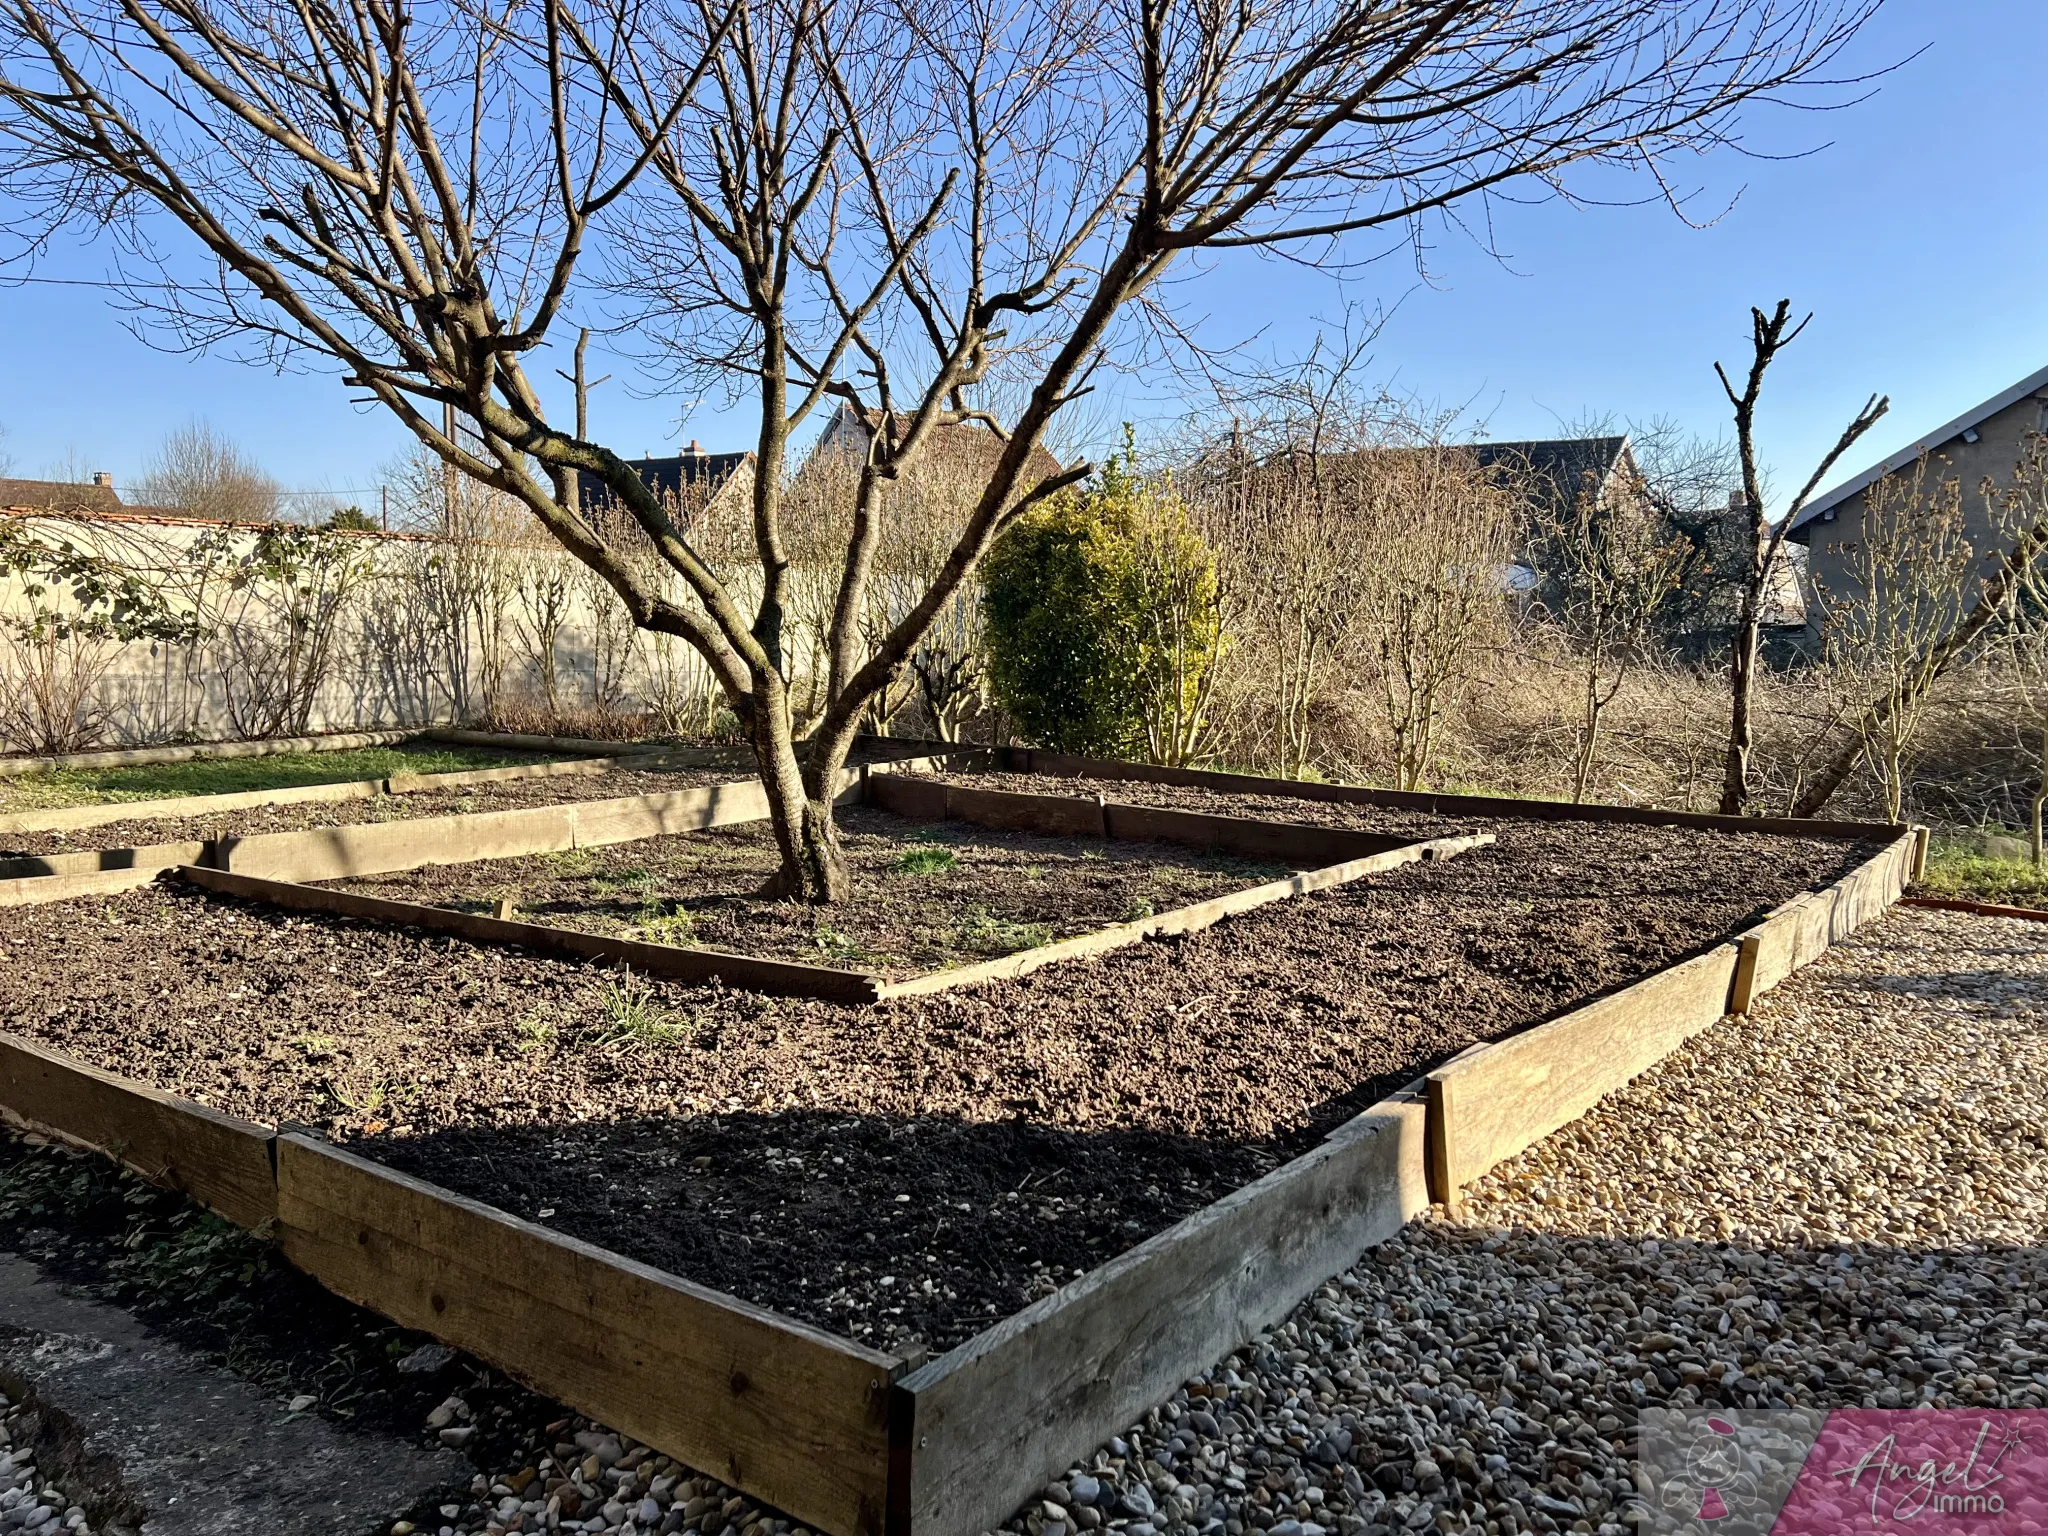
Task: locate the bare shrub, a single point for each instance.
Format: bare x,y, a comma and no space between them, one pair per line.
201,471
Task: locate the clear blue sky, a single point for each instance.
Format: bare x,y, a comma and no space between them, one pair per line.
1914,230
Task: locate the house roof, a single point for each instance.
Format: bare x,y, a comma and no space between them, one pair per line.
968,446
1945,433
669,476
1563,465
58,496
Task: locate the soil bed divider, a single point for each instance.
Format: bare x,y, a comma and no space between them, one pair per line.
1500,1098
1190,919
787,978
1067,765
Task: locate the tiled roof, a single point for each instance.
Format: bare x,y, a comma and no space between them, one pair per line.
58,496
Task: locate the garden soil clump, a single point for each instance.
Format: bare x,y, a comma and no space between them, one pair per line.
252,821
930,896
913,1169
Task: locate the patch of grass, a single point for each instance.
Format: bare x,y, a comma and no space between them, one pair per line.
316,1047
1962,872
929,860
677,927
220,776
569,862
1137,911
985,934
635,1018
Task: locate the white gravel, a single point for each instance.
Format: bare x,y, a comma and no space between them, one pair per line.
1840,1200
29,1502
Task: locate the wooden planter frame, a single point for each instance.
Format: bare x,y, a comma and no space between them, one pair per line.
858,1442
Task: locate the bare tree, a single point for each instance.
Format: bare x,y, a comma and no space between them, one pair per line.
1609,567
898,203
1764,542
201,471
2019,515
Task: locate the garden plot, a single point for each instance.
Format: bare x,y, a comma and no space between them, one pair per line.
735,1226
1071,1113
931,897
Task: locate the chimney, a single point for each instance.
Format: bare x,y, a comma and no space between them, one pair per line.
693,450
101,477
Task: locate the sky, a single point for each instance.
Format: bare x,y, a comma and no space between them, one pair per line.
1911,224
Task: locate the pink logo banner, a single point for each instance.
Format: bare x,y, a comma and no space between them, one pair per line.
1845,1472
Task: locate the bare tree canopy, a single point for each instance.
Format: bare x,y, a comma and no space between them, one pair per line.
937,212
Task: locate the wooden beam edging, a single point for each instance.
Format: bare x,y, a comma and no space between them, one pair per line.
145,860
977,1431
786,978
1976,908
40,890
72,817
781,1410
1299,843
1063,765
1800,931
1190,919
1500,1098
520,741
220,1161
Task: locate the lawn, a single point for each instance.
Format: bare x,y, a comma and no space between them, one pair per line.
216,776
1956,870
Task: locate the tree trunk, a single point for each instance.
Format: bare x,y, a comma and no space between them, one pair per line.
1741,683
800,811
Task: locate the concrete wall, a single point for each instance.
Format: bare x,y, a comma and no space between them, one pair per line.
414,642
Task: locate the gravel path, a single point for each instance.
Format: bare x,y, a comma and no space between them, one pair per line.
1837,1202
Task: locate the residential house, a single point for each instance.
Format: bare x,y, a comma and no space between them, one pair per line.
1984,443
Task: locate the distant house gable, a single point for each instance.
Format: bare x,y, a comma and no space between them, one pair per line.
1557,471
2029,396
681,476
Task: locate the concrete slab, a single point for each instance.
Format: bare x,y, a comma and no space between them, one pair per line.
153,1439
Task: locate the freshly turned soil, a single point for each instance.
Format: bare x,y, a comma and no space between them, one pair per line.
505,795
932,896
1037,1126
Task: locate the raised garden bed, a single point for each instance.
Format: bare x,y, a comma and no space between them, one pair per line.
933,896
1071,1113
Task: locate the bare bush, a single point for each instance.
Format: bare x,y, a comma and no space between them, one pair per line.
199,471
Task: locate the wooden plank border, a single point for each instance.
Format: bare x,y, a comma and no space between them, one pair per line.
977,1430
1497,1100
211,751
1064,765
220,1161
39,890
783,977
1190,919
786,1412
1976,908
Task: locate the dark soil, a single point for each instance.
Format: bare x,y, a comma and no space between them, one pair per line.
505,795
932,896
1033,1128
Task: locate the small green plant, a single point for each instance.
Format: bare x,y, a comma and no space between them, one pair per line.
536,1031
985,934
677,927
315,1047
570,862
929,860
838,945
1139,909
634,1017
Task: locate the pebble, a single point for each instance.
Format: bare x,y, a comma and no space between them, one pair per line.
28,1501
